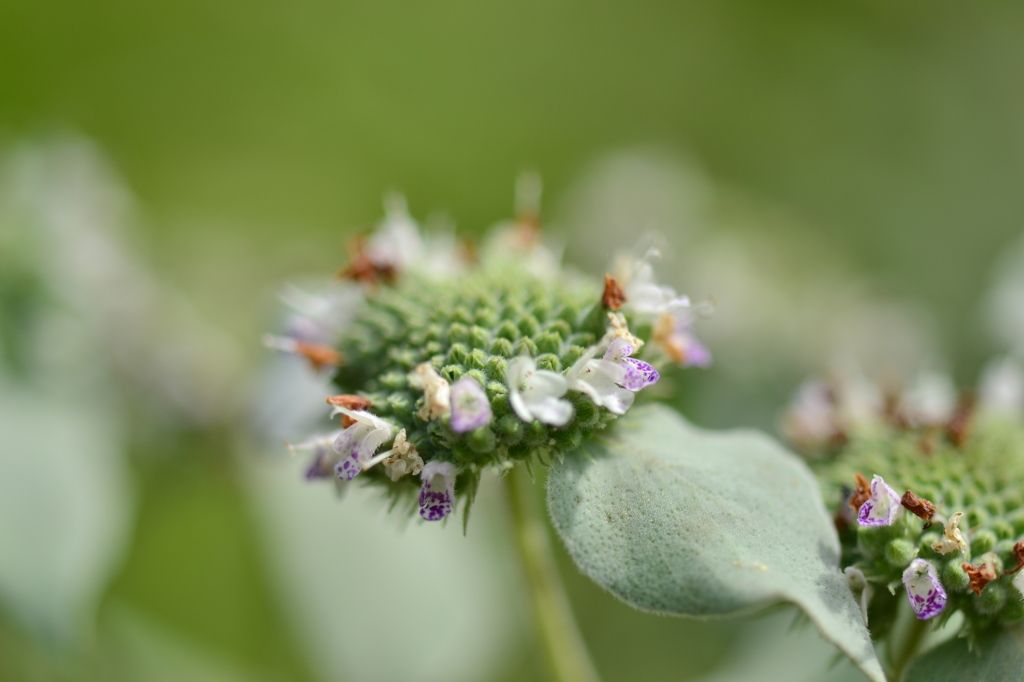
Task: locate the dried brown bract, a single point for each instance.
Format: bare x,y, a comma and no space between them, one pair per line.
319,356
861,493
349,402
918,506
363,269
613,296
959,427
1018,553
980,575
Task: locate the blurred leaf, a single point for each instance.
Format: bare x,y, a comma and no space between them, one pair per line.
677,520
371,603
141,650
997,657
64,507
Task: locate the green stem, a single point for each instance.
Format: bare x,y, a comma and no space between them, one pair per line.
900,658
563,646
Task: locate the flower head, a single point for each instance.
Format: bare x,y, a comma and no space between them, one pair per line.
437,496
881,508
357,443
927,597
536,394
469,405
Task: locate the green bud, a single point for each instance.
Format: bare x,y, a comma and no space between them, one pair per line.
900,552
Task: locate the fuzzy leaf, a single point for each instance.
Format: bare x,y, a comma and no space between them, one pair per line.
674,519
996,657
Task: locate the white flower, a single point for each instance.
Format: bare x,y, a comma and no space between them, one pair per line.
881,508
673,333
436,392
924,589
810,421
535,394
470,407
357,443
1018,582
1002,388
396,243
643,295
951,540
930,400
437,496
401,459
611,381
324,456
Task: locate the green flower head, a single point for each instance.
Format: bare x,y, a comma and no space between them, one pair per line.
451,359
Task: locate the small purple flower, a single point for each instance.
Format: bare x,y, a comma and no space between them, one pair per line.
924,590
470,407
638,373
881,508
437,496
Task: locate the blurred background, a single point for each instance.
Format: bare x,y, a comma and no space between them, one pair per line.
842,178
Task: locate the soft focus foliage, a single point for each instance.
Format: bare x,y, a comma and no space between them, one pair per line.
841,177
677,520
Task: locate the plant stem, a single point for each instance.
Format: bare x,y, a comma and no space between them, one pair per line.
908,649
560,639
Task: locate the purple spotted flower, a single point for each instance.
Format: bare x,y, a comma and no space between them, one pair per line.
470,407
881,508
612,380
924,589
357,443
639,374
437,496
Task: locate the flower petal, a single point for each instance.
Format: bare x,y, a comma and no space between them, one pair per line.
924,590
881,508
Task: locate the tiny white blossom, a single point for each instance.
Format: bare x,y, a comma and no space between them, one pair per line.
536,394
951,540
357,443
644,296
470,406
402,458
1002,388
611,381
930,400
436,392
810,421
396,242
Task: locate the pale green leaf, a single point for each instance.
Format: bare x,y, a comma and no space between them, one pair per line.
997,657
674,519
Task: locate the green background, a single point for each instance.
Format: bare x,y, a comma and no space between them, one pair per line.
255,135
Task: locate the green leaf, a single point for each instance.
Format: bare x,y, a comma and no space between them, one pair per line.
999,656
674,519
